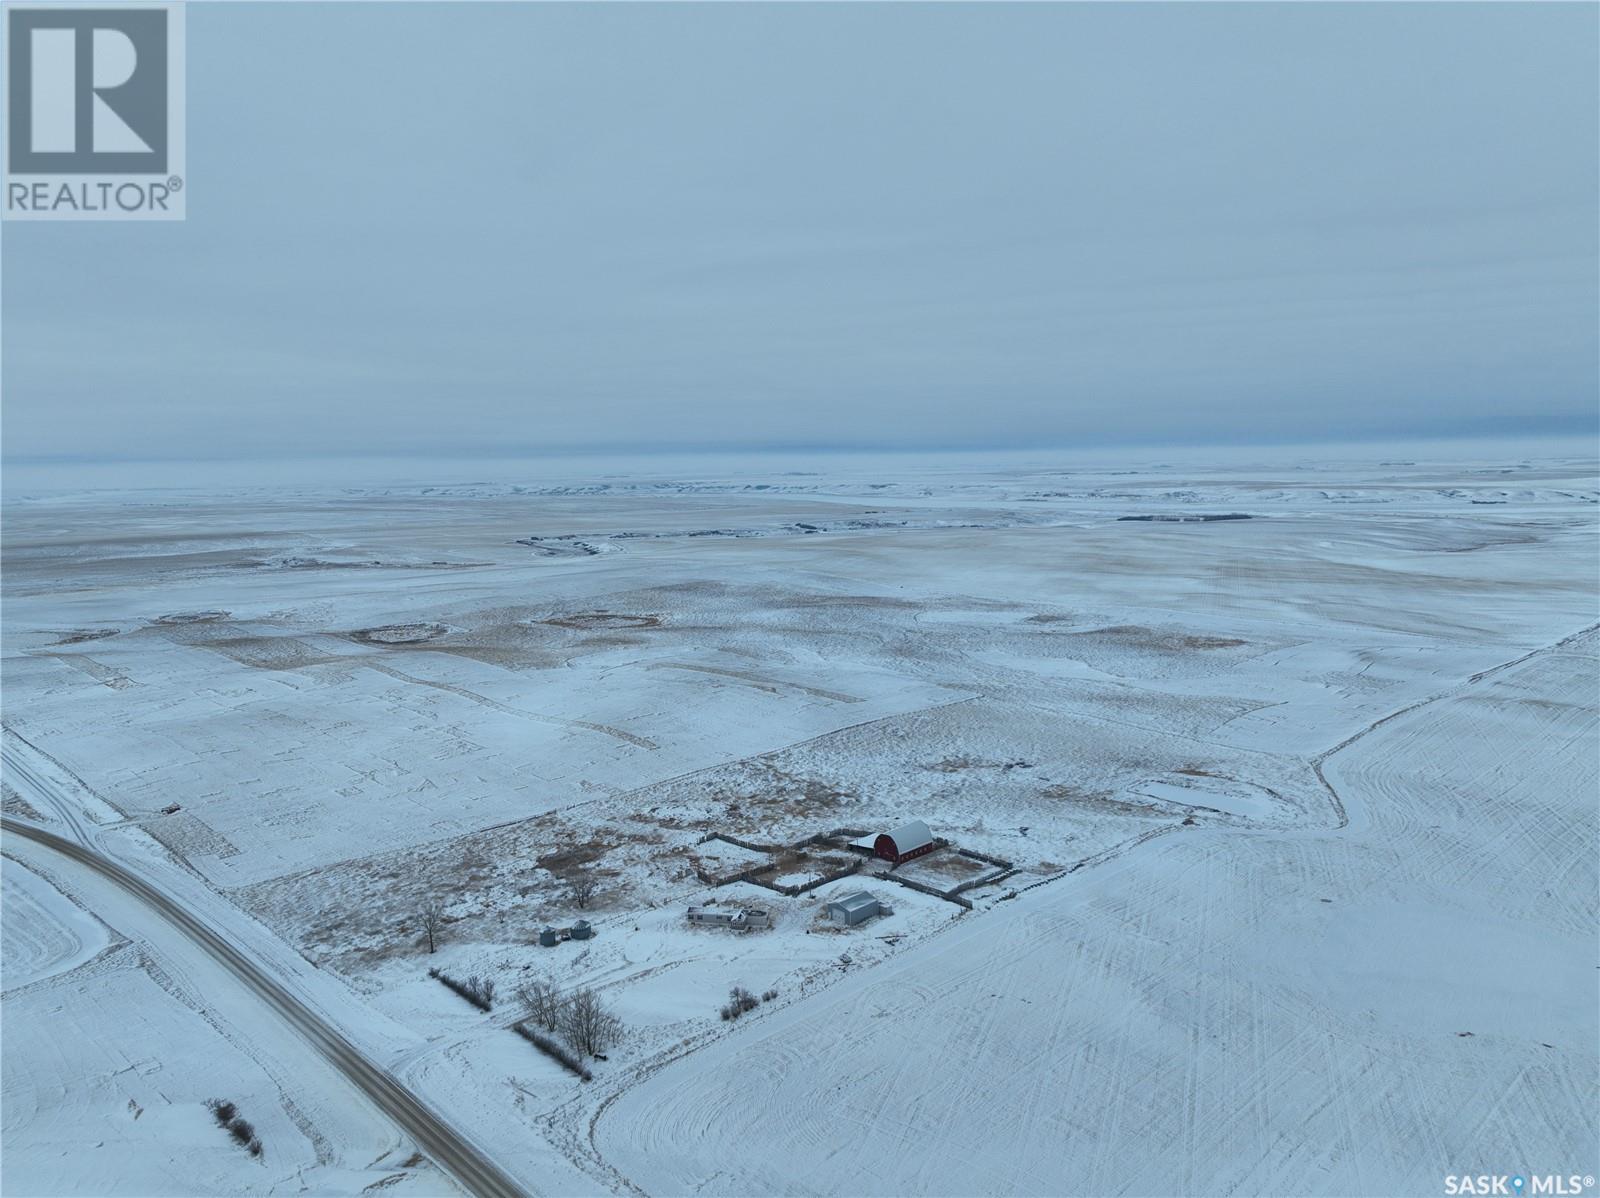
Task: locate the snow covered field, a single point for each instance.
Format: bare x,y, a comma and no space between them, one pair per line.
110,1059
44,933
1301,809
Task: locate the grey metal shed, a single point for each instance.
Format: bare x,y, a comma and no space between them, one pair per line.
853,908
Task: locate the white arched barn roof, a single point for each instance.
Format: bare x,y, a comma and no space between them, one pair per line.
909,837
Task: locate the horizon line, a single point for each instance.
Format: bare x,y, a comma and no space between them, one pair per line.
642,449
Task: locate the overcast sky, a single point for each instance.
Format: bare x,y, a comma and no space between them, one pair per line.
506,228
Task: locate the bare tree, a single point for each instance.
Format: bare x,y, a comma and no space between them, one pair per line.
432,916
587,1025
739,1001
544,1004
582,886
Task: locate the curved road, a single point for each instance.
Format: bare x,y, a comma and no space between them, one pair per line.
448,1148
13,766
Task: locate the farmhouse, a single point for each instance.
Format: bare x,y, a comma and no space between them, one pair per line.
905,842
744,919
853,908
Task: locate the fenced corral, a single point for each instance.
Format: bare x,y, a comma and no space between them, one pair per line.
1000,869
741,872
949,896
838,838
988,879
947,871
795,864
806,859
727,879
754,846
786,861
977,856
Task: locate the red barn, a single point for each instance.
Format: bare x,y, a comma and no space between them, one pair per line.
905,842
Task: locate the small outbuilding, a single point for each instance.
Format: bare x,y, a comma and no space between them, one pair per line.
853,909
905,842
551,937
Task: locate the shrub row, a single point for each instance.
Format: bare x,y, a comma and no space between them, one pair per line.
236,1125
553,1048
741,1000
477,991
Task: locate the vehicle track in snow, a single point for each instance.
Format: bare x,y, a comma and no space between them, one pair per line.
1318,762
446,1146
